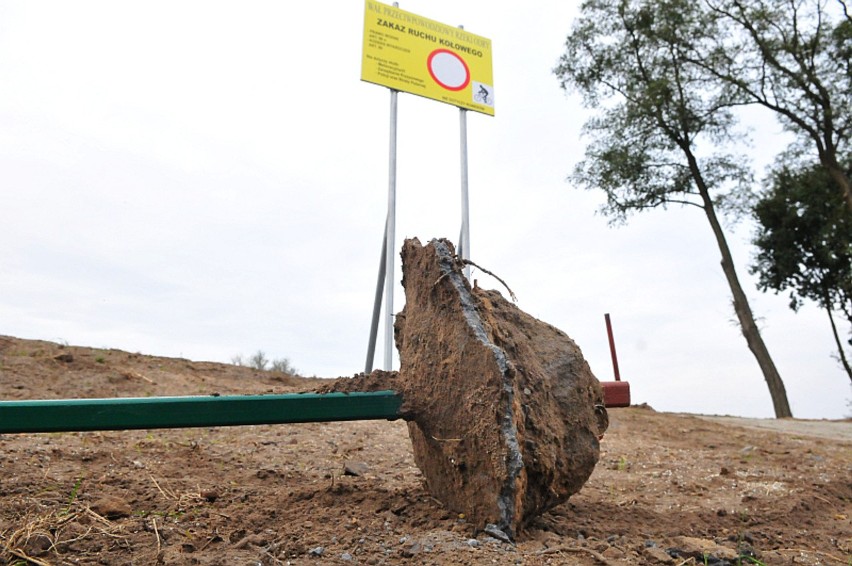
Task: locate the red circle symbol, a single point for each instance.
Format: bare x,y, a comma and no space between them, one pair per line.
448,69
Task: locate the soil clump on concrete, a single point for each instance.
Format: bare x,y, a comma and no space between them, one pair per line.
504,412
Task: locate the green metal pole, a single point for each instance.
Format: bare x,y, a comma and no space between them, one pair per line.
64,415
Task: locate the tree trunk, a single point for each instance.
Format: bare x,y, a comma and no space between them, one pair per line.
749,328
837,340
747,324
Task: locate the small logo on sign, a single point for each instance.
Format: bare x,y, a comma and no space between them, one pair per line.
483,94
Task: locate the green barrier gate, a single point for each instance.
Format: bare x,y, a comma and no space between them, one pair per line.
65,415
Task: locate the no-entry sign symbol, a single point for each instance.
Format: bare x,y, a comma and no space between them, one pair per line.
448,69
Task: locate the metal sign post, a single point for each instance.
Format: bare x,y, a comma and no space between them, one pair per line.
409,53
464,236
386,264
389,236
377,303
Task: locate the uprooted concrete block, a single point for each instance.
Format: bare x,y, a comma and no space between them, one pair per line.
504,413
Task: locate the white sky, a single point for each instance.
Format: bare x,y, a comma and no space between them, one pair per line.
206,179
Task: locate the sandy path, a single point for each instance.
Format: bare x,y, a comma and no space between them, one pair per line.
832,430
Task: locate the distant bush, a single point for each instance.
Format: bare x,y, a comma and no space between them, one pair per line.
283,365
259,361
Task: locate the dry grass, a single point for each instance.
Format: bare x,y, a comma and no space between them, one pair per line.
53,532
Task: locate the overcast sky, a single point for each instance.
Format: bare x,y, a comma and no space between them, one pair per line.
206,179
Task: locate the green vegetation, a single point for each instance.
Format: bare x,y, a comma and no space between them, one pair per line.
667,79
72,497
657,114
804,243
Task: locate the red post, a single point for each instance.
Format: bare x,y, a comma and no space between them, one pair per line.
616,393
612,348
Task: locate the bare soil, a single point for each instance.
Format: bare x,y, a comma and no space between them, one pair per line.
669,488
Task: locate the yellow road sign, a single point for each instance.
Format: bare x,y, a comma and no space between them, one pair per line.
410,53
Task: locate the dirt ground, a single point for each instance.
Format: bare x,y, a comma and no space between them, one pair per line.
669,488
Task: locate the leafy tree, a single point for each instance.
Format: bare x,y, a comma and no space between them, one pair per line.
792,57
804,243
630,61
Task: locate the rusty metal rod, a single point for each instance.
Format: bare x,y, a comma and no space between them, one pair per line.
612,347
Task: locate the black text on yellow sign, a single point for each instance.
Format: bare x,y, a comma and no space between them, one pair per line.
410,53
